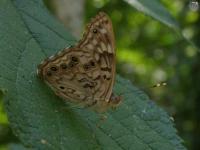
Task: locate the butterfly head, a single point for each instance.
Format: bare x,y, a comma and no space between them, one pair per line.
115,100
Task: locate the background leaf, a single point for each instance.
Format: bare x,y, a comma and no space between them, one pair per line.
40,119
156,10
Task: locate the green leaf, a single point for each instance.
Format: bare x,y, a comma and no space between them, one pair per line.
156,10
28,34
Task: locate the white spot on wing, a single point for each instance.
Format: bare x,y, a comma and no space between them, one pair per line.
37,72
94,42
107,62
103,31
109,49
90,46
42,62
103,62
103,46
51,57
99,50
96,55
60,52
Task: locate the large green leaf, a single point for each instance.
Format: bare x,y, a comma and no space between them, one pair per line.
41,120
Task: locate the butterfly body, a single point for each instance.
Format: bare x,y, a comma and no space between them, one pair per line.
85,73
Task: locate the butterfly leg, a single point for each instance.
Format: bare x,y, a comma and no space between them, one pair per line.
101,120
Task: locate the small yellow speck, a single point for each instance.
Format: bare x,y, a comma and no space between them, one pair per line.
43,141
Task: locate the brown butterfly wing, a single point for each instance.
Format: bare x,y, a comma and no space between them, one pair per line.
99,39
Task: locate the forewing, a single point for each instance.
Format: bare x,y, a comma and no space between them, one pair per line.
99,40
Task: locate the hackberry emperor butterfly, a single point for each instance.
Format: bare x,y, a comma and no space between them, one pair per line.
85,73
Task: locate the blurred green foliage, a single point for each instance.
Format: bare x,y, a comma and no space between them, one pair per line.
148,52
3,117
3,121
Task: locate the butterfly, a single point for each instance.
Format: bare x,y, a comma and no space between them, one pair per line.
85,72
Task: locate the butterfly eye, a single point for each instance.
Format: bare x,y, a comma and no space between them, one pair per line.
94,30
53,69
